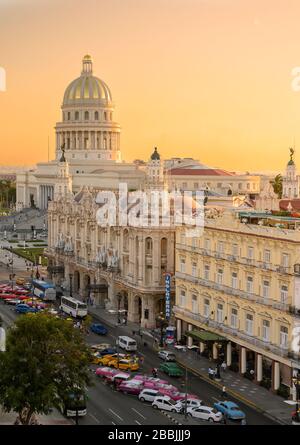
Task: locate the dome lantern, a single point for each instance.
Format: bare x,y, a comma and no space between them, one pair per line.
87,65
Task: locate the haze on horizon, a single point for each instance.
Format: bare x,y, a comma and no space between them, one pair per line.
209,79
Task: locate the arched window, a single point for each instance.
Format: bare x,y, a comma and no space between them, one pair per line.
96,116
148,242
76,115
86,115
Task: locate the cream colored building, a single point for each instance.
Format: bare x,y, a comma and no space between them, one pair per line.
237,294
120,267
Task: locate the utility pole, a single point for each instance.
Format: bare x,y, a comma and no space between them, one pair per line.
185,398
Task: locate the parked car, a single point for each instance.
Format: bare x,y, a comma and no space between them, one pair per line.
148,395
20,281
205,413
167,404
24,309
105,372
167,356
191,403
106,359
230,410
108,351
12,301
130,388
148,378
126,364
98,329
180,348
180,396
171,369
99,347
120,377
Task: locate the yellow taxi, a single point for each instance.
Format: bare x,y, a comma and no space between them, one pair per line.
96,359
124,364
20,281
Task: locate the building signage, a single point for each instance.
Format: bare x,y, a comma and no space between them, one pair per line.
168,295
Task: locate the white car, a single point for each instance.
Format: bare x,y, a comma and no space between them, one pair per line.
191,403
167,356
167,404
148,395
205,413
180,348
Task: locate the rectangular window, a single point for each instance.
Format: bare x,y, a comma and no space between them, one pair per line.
220,276
250,252
182,298
194,242
207,244
195,304
266,289
249,324
220,313
285,260
196,185
182,265
234,280
267,256
235,250
206,272
220,247
250,285
266,330
206,308
234,318
194,269
283,339
283,294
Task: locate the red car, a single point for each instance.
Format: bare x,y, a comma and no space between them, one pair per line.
6,296
130,388
21,292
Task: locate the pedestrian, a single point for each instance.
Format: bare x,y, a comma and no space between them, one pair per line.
211,373
224,366
154,372
224,393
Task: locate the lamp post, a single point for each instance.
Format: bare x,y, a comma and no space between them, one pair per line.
162,322
296,381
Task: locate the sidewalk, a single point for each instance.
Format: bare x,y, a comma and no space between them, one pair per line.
55,418
253,395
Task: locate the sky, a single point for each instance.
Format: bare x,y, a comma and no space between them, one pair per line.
209,79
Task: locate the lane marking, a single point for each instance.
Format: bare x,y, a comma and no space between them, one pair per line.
136,421
93,417
109,409
143,417
113,423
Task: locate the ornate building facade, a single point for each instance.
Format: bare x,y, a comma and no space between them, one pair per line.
237,293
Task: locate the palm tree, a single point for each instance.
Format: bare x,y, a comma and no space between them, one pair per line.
277,185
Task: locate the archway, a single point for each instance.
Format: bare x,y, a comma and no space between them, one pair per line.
138,308
76,281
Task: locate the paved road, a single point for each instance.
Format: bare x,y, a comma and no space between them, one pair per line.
107,407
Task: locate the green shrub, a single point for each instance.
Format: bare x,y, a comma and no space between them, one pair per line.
283,391
266,383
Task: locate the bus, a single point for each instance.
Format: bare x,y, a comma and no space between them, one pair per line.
74,405
73,307
43,290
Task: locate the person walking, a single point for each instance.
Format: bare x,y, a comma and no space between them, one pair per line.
211,373
224,366
224,393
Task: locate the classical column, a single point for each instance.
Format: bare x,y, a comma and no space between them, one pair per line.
243,360
202,347
189,339
228,354
215,351
276,375
178,330
156,259
259,368
141,260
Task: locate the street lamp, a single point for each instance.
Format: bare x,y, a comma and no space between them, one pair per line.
162,321
296,381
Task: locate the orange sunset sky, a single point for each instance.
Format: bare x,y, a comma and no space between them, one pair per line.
209,79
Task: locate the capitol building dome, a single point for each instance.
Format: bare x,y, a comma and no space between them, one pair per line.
87,88
87,131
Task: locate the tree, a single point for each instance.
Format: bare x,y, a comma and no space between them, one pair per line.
277,185
46,359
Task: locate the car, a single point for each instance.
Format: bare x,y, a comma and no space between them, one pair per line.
25,309
119,377
108,351
105,372
130,388
98,329
180,348
191,403
171,369
12,301
104,360
205,413
230,409
5,296
148,395
96,358
167,404
180,396
148,378
20,281
99,347
167,356
126,364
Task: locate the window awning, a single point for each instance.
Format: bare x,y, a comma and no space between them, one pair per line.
205,336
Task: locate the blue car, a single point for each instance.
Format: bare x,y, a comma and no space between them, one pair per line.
230,410
98,329
108,351
24,309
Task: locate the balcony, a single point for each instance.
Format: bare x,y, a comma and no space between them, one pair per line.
212,324
235,292
238,259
